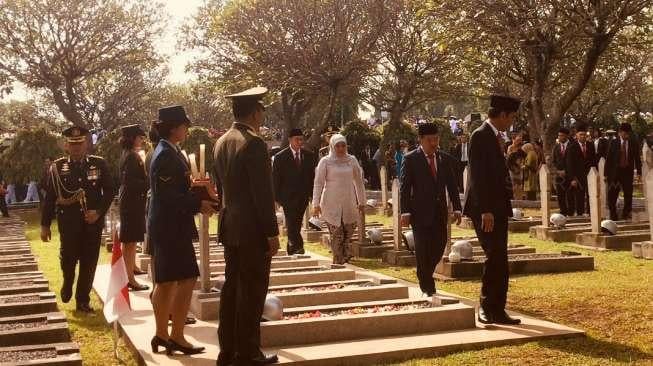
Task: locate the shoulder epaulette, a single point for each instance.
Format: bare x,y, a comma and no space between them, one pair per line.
96,157
60,159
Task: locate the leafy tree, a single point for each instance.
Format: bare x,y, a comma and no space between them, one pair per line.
544,50
109,148
16,115
24,160
301,49
92,57
359,136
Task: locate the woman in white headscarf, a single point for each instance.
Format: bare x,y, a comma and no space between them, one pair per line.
339,196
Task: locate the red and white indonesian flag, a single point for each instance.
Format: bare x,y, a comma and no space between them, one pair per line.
117,300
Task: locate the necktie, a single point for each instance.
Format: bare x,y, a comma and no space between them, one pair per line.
298,161
562,150
431,158
583,147
624,155
500,142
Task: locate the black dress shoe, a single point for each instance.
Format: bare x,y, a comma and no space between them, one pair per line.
300,251
139,272
137,287
157,342
266,359
174,346
504,318
66,293
263,359
484,317
225,359
85,308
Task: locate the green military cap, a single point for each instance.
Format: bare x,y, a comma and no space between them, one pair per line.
75,134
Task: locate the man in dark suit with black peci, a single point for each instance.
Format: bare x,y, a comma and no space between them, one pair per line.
623,158
426,176
293,171
487,203
580,157
247,229
559,163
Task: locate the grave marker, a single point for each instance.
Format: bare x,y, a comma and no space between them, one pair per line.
545,194
465,178
648,188
396,215
384,187
205,270
603,190
595,200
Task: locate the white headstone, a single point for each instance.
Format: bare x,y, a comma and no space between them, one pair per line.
595,199
396,215
465,178
307,216
648,188
647,164
383,173
545,194
205,270
447,247
603,190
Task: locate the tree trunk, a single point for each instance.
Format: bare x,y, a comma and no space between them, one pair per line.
314,141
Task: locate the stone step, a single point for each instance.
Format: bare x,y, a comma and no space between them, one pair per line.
34,329
11,286
623,240
30,303
18,266
275,265
16,257
15,251
518,264
371,251
345,295
569,232
277,279
449,317
59,354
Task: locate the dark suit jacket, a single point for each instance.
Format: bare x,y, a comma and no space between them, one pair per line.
576,165
293,184
602,151
559,161
490,188
614,158
172,205
457,153
424,197
243,177
133,183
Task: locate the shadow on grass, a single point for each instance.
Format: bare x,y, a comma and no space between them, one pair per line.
598,349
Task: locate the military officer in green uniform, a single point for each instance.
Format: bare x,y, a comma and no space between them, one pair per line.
79,191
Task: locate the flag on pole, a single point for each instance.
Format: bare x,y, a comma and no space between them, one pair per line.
117,302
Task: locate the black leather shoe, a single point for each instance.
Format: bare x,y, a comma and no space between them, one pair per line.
174,346
66,293
266,359
157,342
484,317
139,272
300,251
85,308
504,318
225,359
137,287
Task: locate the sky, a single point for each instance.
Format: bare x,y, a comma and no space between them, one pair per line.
179,11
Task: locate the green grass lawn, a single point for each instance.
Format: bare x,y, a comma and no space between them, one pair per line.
92,333
614,304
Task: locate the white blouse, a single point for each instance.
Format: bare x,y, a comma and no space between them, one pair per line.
339,190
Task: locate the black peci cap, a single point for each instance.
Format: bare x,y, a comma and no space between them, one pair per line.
504,103
132,131
428,128
173,115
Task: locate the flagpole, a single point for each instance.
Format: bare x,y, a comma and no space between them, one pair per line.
115,339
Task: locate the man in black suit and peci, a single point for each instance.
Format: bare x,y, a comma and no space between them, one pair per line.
487,203
559,162
623,158
293,171
579,158
425,175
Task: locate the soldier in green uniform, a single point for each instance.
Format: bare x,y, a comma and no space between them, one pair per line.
79,192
